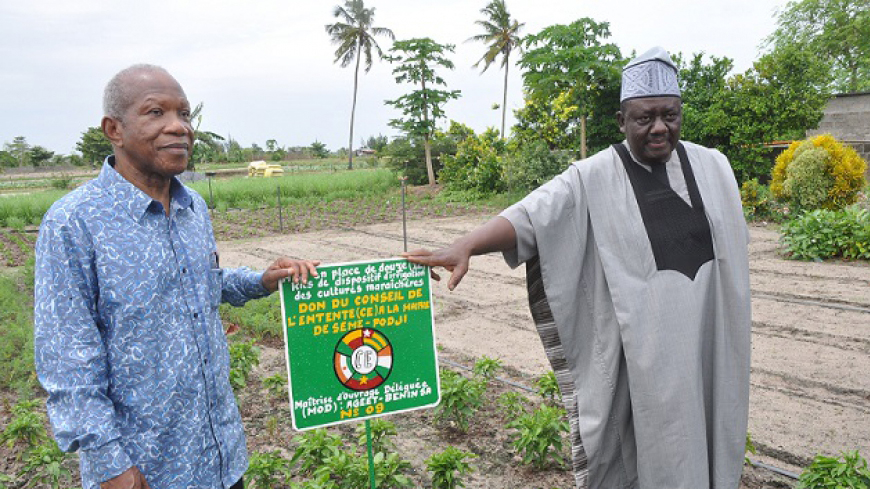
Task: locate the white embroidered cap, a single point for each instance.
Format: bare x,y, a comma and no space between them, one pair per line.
652,74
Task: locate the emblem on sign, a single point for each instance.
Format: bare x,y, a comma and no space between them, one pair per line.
363,359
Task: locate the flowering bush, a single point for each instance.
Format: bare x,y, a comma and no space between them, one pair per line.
818,173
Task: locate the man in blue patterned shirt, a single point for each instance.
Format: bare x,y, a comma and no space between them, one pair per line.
129,343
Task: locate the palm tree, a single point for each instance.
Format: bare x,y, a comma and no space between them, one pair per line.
354,36
502,36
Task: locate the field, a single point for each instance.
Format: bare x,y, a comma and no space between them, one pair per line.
811,335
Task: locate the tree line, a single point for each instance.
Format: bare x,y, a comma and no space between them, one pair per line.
571,78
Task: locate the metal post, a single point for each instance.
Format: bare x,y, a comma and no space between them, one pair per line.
404,225
371,456
280,214
210,195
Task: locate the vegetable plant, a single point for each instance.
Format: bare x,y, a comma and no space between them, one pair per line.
460,399
512,404
265,469
486,367
448,467
382,431
539,436
829,472
548,387
244,356
313,448
44,466
27,425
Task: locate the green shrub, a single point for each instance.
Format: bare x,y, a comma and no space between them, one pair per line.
460,399
477,164
17,369
757,201
260,317
830,472
27,425
533,165
512,405
276,385
841,165
821,234
46,466
539,436
349,471
382,431
486,367
244,356
265,469
448,467
313,448
15,222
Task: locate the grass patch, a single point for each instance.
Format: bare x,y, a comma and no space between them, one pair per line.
258,318
17,369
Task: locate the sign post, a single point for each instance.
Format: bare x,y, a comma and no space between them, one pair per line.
360,342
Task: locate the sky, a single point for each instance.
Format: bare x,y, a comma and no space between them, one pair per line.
264,69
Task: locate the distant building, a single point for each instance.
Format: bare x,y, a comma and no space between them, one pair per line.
847,118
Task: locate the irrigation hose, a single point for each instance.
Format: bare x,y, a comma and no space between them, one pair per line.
755,463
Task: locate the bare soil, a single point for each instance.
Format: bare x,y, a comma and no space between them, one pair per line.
810,389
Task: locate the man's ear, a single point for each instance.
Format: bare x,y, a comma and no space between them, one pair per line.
620,119
112,130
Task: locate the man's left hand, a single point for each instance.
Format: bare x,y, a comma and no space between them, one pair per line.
296,270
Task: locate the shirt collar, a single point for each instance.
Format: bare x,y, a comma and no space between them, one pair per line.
134,200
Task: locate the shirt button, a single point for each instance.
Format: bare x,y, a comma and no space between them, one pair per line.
195,315
184,270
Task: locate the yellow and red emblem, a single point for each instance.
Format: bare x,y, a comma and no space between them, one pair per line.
363,359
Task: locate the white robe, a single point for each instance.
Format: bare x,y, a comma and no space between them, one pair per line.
653,365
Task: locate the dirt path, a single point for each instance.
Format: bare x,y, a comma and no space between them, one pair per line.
811,329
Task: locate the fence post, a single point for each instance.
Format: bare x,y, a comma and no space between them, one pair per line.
280,214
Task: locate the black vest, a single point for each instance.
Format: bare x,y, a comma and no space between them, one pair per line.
678,233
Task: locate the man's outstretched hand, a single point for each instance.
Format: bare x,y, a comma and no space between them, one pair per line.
454,259
296,270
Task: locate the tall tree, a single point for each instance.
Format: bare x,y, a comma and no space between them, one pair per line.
354,36
417,60
572,64
206,144
836,30
19,149
501,34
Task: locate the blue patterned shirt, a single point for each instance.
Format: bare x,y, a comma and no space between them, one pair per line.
128,340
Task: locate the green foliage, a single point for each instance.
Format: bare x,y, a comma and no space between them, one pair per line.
570,75
460,399
30,208
781,96
548,387
45,466
244,356
757,201
837,31
318,150
406,155
487,368
818,173
17,369
27,425
94,146
259,317
532,165
448,467
539,436
349,471
382,432
477,164
828,472
821,234
276,385
750,448
266,469
512,405
313,448
502,34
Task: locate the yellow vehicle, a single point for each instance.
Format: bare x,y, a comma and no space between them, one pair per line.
263,169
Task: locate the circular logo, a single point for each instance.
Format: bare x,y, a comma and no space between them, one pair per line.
363,359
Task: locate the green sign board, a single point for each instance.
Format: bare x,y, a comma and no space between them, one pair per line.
360,342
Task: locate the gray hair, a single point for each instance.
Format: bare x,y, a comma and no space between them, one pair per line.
117,97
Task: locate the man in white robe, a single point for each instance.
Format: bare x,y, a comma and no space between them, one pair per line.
638,282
